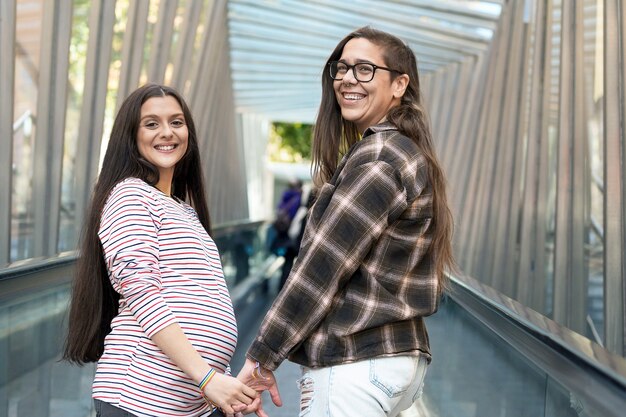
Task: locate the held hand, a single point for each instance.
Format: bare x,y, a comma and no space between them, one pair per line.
229,394
260,379
252,408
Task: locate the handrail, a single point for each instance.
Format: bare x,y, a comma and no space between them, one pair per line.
588,370
36,265
33,275
227,228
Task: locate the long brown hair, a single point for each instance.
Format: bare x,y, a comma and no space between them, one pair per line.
94,302
333,135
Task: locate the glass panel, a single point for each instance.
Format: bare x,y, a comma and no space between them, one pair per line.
179,21
207,8
76,80
552,137
153,17
593,25
121,18
27,47
474,373
242,252
33,328
523,158
560,402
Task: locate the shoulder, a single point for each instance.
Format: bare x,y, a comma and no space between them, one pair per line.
132,185
133,205
132,191
400,153
386,144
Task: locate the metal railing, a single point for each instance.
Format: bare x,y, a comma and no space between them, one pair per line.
496,357
487,347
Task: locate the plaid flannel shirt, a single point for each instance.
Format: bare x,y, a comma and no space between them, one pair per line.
364,278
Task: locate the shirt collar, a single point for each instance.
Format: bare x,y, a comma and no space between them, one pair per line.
381,127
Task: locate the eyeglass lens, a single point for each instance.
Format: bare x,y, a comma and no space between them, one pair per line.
363,72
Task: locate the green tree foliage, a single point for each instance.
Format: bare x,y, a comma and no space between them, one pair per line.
290,142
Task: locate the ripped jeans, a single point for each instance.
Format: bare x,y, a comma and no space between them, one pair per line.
377,387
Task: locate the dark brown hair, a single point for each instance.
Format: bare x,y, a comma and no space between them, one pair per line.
94,302
333,135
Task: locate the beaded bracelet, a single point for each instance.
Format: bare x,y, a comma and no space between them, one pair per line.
206,379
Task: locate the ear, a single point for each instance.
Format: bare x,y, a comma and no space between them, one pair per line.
400,84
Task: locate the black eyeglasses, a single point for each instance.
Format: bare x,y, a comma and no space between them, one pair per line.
363,71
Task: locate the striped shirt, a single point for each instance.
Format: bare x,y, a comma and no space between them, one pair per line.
167,270
364,278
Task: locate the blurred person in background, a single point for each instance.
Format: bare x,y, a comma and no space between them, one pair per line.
286,210
295,234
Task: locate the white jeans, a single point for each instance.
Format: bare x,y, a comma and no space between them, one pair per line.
378,387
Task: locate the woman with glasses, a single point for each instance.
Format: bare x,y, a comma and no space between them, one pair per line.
376,247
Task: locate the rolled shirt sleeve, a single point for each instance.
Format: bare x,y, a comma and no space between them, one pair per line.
128,233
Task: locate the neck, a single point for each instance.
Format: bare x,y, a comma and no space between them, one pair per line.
165,182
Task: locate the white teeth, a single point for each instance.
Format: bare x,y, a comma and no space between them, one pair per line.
165,147
353,96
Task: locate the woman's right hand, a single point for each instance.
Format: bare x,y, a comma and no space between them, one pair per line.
229,394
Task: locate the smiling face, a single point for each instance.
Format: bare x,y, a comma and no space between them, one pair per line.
162,137
367,104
